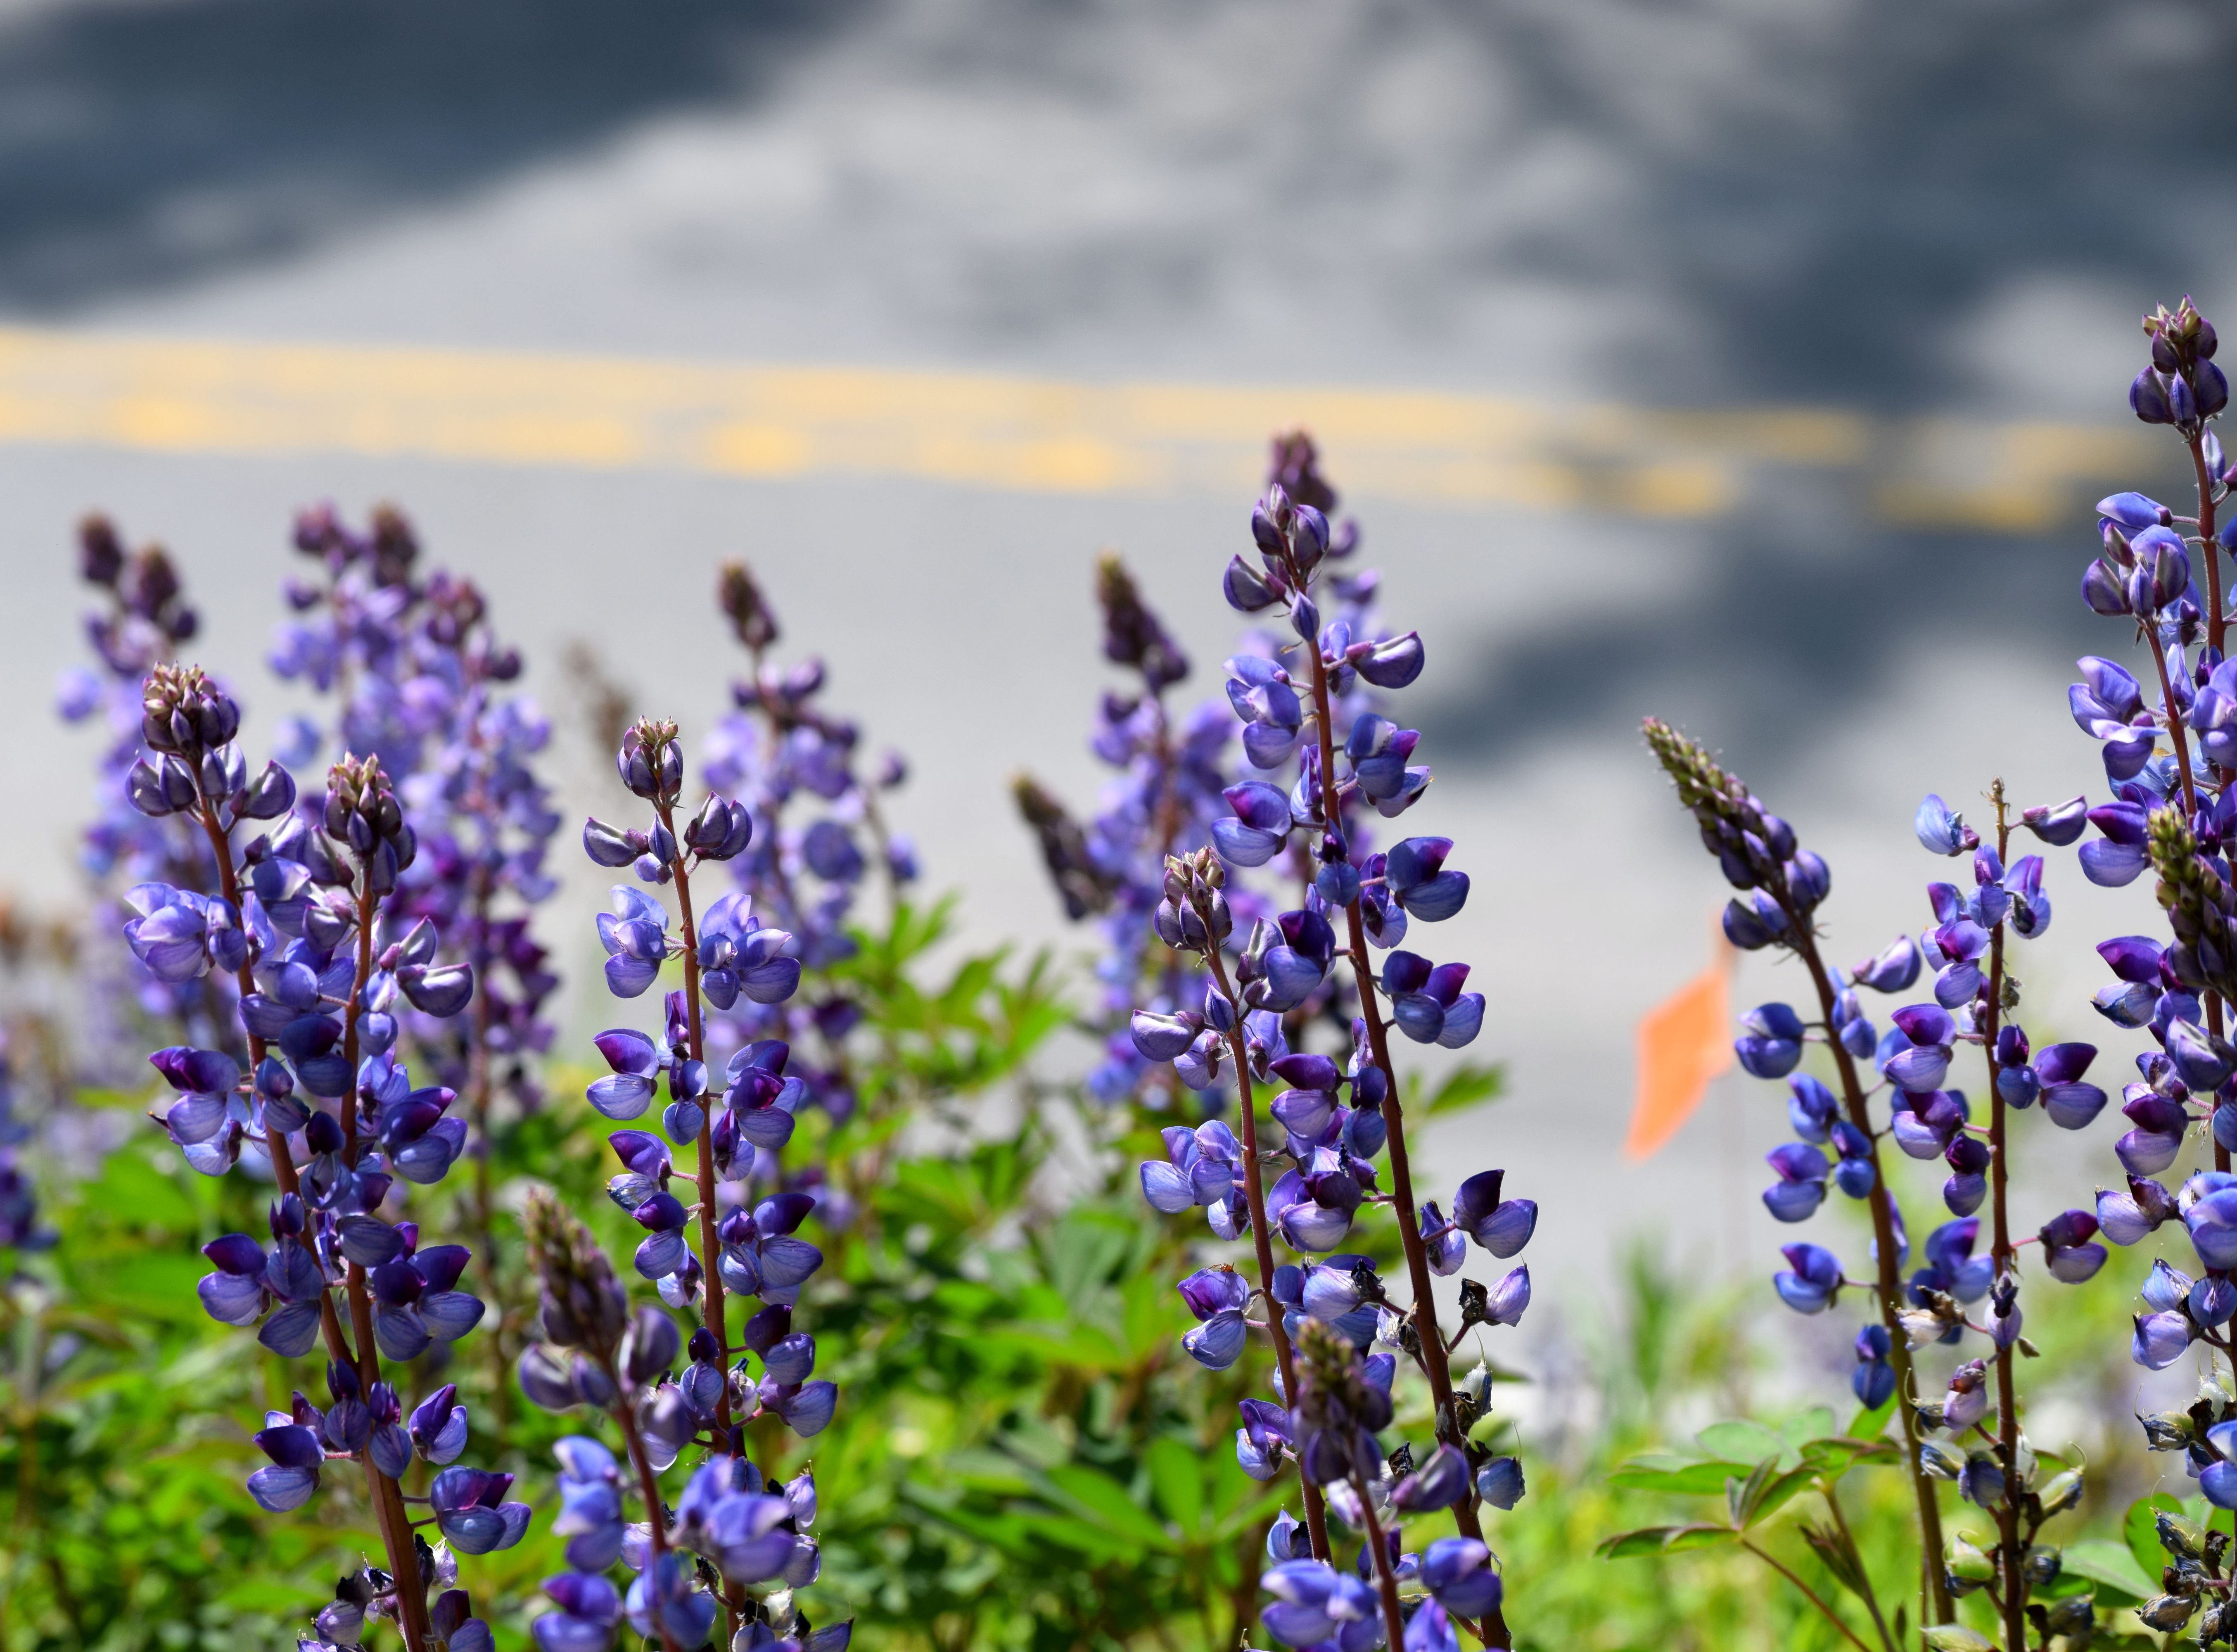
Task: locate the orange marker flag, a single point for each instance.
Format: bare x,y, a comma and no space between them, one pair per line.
1683,1041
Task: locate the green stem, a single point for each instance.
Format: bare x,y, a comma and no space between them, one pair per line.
1811,1595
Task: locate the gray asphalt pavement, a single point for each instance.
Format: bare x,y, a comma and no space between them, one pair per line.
1952,209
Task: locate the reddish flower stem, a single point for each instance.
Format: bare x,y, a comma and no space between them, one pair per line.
388,1496
1934,1606
709,1243
1435,1364
1394,1620
382,1492
655,1513
1254,1195
2011,1549
2216,627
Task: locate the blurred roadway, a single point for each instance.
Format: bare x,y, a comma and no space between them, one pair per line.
1569,228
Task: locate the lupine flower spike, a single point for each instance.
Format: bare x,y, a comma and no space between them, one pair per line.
1169,788
2168,740
781,754
1248,982
303,923
145,619
423,685
750,1529
1781,887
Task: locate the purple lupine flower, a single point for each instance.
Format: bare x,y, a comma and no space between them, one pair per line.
762,1253
1499,1483
777,752
1801,1185
1873,1380
1226,981
1951,1268
2126,1218
1170,788
1812,1280
1316,1604
139,838
427,683
296,1456
1427,1002
1503,1227
1264,1442
664,1602
1438,1483
1217,1297
635,935
749,1533
306,925
1772,1042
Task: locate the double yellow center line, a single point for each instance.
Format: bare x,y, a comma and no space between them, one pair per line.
235,397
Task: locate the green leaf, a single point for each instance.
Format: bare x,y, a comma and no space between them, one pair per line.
1777,1493
1105,1502
1741,1496
1086,1250
1871,1424
1466,1086
2144,1541
155,1285
1948,1637
1834,1456
1661,1540
1626,1545
1085,1535
1741,1441
1685,1477
1814,1424
1177,1472
1253,1503
1153,1315
265,1594
2103,1561
133,1189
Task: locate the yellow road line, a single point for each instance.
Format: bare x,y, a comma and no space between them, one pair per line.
1014,433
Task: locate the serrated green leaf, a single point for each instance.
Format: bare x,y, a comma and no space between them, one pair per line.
2109,1564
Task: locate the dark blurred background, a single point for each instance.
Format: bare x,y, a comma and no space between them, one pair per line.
1781,347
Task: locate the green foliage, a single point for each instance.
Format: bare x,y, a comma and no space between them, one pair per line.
1760,1470
1023,1459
